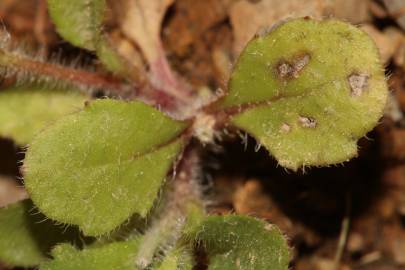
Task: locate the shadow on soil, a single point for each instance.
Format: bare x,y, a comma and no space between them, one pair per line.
316,198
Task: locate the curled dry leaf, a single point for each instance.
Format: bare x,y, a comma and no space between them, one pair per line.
140,21
247,17
349,10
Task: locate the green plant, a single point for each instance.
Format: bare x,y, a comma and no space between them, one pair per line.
307,90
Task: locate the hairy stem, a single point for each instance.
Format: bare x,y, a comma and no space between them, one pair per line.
184,195
20,64
30,69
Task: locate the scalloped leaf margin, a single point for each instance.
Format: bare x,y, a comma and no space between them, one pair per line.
308,90
97,167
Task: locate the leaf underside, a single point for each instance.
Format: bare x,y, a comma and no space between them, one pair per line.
239,242
98,167
308,90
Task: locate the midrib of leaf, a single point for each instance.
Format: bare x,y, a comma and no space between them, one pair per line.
109,157
254,51
241,108
135,157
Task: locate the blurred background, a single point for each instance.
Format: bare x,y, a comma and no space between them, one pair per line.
361,202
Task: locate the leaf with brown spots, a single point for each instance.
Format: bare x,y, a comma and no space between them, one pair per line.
308,90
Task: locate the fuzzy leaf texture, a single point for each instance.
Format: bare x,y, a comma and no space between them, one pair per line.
26,239
26,110
112,256
80,23
98,167
308,90
178,259
236,242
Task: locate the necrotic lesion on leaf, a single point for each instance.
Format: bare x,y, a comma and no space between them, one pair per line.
308,90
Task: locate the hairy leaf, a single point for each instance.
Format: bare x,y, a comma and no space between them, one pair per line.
26,110
239,242
178,259
113,256
80,23
26,237
308,90
98,167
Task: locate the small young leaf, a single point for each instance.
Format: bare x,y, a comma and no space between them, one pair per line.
308,90
24,111
98,167
113,256
26,238
240,242
80,23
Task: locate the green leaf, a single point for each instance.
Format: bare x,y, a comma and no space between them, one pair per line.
308,90
178,259
26,238
80,23
111,59
26,110
239,242
98,167
113,256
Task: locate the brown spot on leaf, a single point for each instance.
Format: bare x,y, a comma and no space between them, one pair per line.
358,83
307,122
291,69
